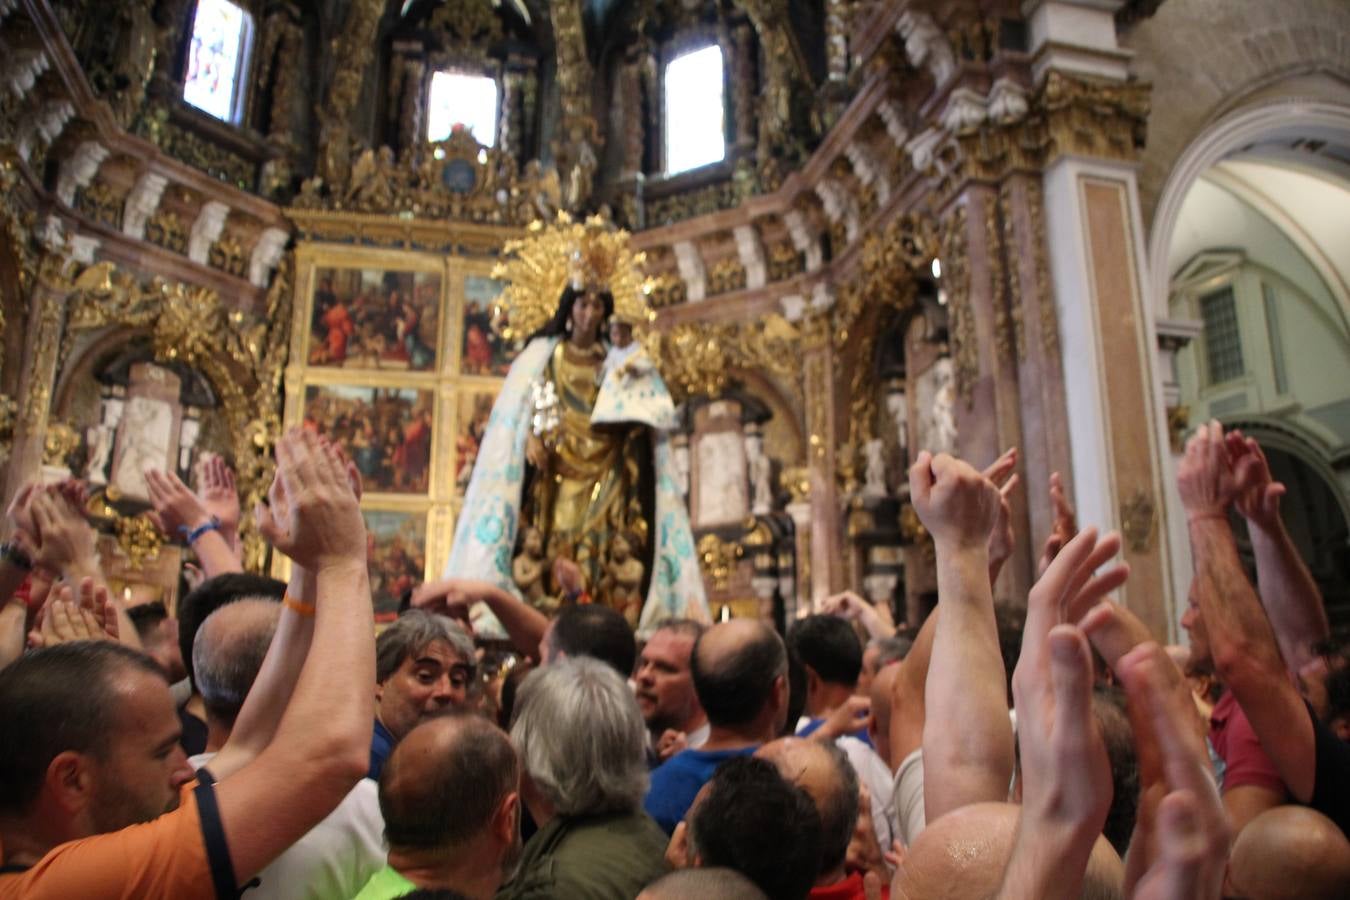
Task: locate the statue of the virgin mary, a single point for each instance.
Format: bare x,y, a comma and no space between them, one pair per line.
576,448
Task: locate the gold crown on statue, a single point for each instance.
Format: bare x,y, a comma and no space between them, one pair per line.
583,255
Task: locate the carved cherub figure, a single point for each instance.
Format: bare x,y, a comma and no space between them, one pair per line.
622,582
528,570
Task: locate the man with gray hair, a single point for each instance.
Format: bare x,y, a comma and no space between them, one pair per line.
424,666
336,856
582,742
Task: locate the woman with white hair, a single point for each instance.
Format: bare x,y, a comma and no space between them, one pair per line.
581,739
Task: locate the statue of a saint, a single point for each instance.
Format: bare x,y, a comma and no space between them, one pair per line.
576,450
527,571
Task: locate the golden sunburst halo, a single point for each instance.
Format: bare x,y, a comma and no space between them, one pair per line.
538,266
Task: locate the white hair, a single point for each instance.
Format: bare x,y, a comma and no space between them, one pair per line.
580,736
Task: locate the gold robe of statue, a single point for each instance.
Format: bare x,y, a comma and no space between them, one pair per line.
588,492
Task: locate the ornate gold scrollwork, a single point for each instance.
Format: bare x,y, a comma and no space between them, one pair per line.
718,559
137,539
1138,519
961,327
241,356
697,358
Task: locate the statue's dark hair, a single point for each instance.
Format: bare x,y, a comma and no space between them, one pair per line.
558,324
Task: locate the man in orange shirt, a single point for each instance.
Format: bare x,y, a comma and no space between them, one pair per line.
89,743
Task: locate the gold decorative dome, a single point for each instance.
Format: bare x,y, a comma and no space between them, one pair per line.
589,254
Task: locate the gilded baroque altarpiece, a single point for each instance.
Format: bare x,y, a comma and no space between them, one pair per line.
393,355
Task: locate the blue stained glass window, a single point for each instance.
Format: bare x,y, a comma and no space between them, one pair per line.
460,99
695,133
216,59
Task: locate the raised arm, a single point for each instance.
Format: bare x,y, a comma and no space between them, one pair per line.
180,512
1000,544
454,597
1066,780
968,755
1241,639
907,694
321,746
1291,598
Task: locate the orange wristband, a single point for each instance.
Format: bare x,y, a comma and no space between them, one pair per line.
304,609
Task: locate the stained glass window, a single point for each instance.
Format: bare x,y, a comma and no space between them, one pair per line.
220,36
695,133
460,99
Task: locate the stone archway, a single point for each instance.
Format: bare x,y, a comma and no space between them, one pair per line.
1261,121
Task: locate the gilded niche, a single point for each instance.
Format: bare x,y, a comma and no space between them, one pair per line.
242,356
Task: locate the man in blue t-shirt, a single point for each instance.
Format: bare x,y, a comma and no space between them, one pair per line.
832,656
740,676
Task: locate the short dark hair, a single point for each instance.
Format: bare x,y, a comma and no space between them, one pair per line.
211,595
1108,708
147,617
593,629
455,798
766,828
705,882
53,700
830,646
734,689
690,628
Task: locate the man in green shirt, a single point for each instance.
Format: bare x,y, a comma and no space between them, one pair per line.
450,798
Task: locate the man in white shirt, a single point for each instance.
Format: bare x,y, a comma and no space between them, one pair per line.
337,856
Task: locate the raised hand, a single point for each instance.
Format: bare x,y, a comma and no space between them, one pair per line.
65,618
177,511
957,504
1000,474
1205,477
1068,589
1258,495
1064,529
65,538
452,597
1180,844
314,517
19,519
219,496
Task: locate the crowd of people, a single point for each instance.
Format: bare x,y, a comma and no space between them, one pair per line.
264,742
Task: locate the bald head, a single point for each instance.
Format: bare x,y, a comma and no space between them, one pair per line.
228,652
446,782
740,675
962,855
822,770
1289,852
700,884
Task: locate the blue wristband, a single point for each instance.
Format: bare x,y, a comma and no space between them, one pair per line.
213,525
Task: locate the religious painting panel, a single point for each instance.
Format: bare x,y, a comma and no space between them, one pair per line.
396,545
374,318
474,409
386,430
484,352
